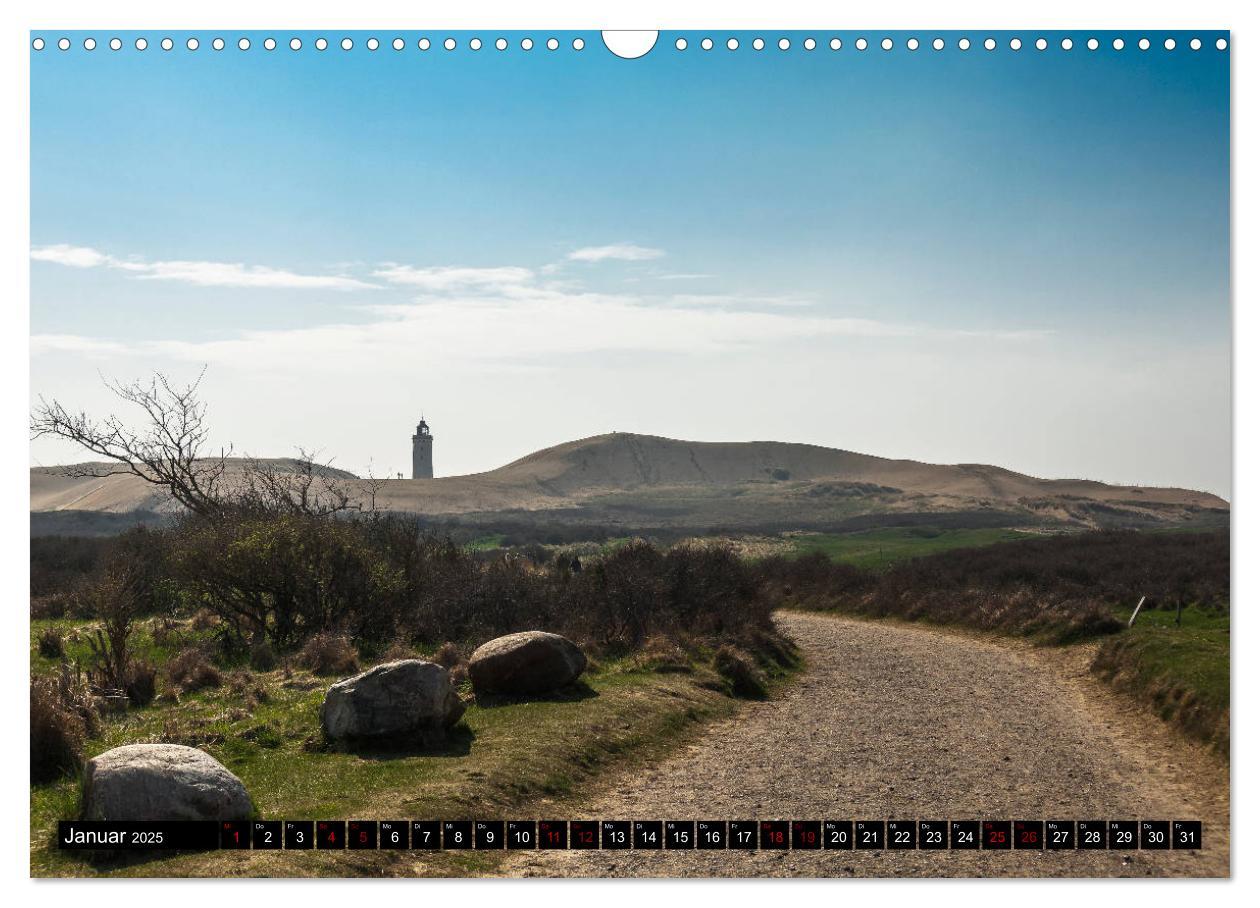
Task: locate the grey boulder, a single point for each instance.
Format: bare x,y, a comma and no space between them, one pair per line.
530,662
395,700
162,782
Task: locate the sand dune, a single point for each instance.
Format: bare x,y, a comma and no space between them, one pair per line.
623,478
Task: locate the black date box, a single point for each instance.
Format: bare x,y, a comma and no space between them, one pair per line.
649,834
457,835
838,834
680,834
1030,834
361,835
584,834
868,834
233,834
1187,834
330,834
488,835
616,834
775,834
1122,834
964,834
900,835
1091,835
933,834
742,835
299,835
426,835
266,834
522,834
1155,834
711,834
394,834
806,834
996,834
553,833
1060,835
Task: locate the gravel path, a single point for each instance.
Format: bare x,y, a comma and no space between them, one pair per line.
899,722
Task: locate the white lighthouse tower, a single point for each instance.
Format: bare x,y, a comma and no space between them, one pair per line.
422,452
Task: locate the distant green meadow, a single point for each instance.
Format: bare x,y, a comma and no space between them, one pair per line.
875,549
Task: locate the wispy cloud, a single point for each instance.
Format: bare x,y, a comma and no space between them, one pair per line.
499,329
621,252
73,343
71,256
199,273
448,279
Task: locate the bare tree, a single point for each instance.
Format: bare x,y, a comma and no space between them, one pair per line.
302,486
169,451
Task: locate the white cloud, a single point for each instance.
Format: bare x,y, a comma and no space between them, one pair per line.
621,252
202,274
73,343
73,256
505,329
446,279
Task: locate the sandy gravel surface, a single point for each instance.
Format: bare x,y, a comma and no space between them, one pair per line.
899,722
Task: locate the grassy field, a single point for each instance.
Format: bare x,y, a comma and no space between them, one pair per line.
500,760
1182,672
875,549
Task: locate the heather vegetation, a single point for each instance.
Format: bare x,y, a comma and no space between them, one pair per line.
1060,587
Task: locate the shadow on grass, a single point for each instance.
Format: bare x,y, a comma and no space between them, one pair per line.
455,742
577,691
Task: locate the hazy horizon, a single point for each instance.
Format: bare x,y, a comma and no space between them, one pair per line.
1011,258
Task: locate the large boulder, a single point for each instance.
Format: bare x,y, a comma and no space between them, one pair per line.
531,662
409,698
162,782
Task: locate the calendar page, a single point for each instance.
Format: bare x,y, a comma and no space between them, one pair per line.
554,453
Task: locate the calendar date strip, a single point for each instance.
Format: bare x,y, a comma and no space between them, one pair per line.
639,835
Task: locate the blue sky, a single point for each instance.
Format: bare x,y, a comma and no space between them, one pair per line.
1017,257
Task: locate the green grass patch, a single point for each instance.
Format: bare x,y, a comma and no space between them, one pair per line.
1182,673
149,642
500,760
875,549
487,542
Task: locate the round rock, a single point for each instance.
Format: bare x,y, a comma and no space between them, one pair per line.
531,662
162,782
395,700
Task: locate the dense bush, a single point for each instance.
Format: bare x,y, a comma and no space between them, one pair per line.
266,585
1061,586
60,562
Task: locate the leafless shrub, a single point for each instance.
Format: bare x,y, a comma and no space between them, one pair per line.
191,670
329,654
57,734
63,716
